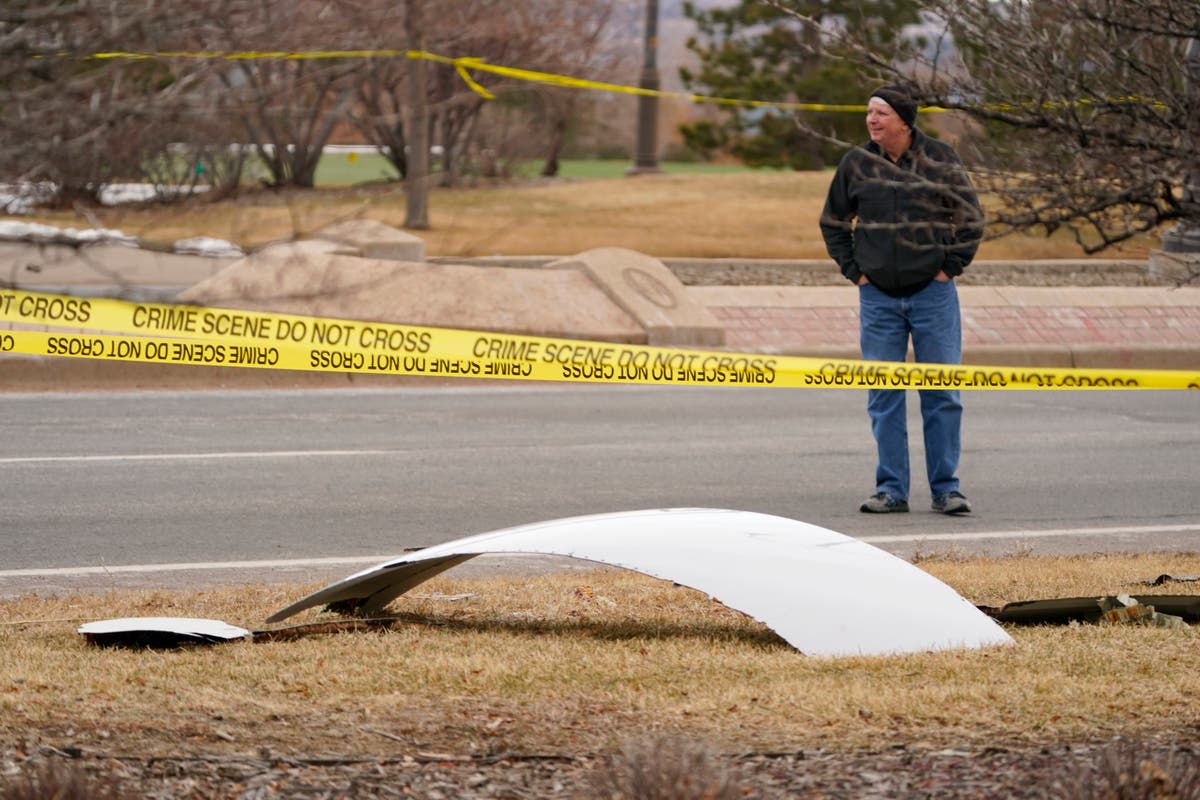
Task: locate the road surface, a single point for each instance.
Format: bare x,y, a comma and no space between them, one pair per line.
158,488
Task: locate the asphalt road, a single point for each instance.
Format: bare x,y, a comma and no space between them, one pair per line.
109,488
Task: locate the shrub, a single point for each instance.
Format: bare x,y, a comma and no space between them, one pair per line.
664,768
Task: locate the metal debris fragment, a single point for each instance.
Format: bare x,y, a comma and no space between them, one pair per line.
160,632
1092,610
1164,578
1126,610
771,568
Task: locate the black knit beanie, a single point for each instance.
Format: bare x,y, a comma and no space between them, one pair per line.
900,100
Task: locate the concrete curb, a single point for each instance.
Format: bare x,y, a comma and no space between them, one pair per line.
649,293
693,271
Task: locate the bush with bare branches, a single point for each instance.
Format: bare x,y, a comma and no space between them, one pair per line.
1081,117
664,768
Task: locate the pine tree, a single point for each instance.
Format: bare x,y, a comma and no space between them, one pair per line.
759,51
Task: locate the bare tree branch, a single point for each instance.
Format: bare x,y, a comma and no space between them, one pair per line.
1080,118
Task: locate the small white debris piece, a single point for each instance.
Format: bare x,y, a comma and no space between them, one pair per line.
160,631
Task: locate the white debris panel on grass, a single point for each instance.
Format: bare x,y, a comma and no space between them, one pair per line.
825,593
160,630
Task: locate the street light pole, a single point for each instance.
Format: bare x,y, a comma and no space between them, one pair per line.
646,157
416,172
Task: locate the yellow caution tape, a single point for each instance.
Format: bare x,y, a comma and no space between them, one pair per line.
180,334
463,64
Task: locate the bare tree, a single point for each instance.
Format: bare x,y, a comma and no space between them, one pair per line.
287,107
574,38
87,101
1080,115
383,85
590,47
74,121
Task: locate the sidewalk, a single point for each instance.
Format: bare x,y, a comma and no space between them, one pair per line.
1146,327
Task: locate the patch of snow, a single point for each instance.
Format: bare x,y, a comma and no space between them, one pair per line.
117,193
207,246
12,230
19,199
36,232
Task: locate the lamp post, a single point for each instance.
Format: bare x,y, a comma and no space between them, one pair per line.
416,173
1185,237
645,158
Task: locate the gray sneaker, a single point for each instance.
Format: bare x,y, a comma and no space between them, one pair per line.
952,503
883,503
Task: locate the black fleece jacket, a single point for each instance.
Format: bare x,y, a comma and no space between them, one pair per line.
900,223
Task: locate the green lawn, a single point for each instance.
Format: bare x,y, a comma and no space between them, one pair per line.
346,169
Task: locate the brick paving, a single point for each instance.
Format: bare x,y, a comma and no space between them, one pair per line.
792,327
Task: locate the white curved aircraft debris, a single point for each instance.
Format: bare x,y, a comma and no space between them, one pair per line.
161,631
825,593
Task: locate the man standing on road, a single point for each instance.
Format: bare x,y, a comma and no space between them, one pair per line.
902,221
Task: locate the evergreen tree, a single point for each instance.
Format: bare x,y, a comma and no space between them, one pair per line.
773,51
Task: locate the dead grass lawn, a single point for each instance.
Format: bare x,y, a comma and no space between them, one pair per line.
739,215
561,663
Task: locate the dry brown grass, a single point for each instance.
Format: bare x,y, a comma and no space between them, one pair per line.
564,663
739,215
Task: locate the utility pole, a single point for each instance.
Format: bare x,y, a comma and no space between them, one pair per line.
416,174
1185,237
645,159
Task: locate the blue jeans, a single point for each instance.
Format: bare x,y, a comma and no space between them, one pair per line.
931,317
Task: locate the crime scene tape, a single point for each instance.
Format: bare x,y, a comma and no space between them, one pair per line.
463,65
120,330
